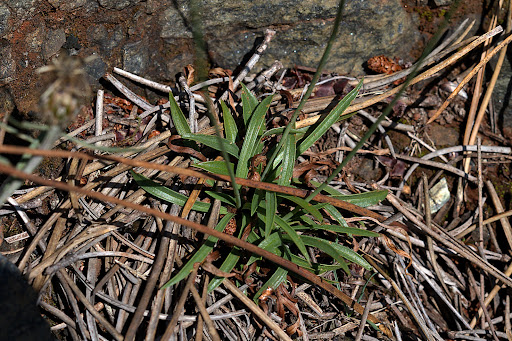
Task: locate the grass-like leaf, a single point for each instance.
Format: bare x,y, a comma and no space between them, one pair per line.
213,142
249,103
217,167
270,243
317,268
361,199
288,161
319,129
304,205
270,211
256,200
352,256
251,137
279,131
223,197
338,229
179,120
201,254
168,194
230,127
278,277
334,250
293,235
227,266
333,211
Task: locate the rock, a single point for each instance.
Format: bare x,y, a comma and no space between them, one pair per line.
22,8
54,41
72,45
34,40
95,68
67,5
370,28
502,96
135,57
6,102
7,65
118,4
19,316
106,40
5,13
85,6
153,37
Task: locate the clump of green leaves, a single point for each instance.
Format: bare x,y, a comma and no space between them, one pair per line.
282,224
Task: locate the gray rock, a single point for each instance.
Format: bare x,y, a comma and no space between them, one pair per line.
135,57
23,8
7,64
35,38
21,4
85,6
95,69
502,95
5,14
67,5
153,37
118,4
369,28
72,45
6,101
173,25
105,40
54,41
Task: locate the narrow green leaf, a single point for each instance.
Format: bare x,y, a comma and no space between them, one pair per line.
223,197
217,167
249,103
230,127
305,205
320,128
327,247
251,137
294,236
352,256
201,254
317,268
277,131
270,211
213,142
179,120
270,243
361,199
256,200
333,211
168,194
278,277
339,229
288,161
226,266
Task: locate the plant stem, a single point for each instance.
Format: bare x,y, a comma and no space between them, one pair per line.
202,72
29,165
318,73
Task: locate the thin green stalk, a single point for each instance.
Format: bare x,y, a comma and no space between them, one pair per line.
28,164
223,151
369,133
318,73
201,69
